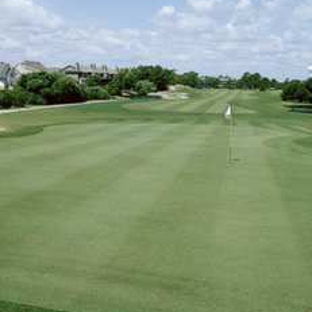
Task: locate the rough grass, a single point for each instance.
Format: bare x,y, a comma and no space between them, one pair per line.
113,207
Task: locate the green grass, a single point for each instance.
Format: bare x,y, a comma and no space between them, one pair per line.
133,207
13,307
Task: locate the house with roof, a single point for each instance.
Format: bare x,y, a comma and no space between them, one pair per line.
6,72
81,72
27,67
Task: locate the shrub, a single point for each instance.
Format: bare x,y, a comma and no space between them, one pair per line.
36,82
23,98
6,100
49,88
36,100
64,90
302,94
294,91
144,87
96,93
19,98
94,81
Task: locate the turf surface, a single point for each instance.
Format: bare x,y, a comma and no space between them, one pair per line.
132,206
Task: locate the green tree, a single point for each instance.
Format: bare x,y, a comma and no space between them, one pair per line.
302,94
97,93
37,82
6,100
68,90
290,89
144,87
190,79
94,81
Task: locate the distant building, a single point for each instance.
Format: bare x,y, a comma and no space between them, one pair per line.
2,86
6,75
27,67
9,75
81,72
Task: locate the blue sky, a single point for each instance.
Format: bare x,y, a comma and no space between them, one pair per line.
112,13
212,37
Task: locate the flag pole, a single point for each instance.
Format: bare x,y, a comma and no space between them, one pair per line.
231,135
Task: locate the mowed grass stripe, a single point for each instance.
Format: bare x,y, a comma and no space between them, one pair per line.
204,101
40,146
169,238
221,98
101,220
219,105
253,246
50,165
45,172
180,105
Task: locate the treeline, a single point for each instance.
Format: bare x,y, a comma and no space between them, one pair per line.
248,81
55,88
141,80
46,88
159,79
49,88
298,91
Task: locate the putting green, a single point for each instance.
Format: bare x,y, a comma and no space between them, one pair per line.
123,207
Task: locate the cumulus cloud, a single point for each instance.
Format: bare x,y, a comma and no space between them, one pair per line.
203,5
167,10
210,36
303,12
26,13
243,4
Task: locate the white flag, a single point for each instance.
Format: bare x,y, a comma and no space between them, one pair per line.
228,113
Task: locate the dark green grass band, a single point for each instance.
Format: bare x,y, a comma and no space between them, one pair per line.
14,307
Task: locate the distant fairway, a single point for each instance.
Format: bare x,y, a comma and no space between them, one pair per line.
132,207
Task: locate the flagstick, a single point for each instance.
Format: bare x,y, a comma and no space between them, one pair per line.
231,147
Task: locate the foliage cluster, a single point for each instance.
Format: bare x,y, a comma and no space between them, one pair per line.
247,82
298,91
142,79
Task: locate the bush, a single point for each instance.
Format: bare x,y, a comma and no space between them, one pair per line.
115,87
64,90
23,98
295,90
36,82
19,98
49,88
144,87
36,100
96,93
6,100
94,81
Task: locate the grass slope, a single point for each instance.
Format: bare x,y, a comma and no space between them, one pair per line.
123,207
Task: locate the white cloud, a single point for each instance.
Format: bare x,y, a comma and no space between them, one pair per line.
26,13
168,10
203,5
243,4
210,36
303,11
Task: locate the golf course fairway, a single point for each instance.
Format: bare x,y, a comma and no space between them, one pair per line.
135,206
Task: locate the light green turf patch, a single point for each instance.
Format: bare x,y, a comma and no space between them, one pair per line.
220,105
208,100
